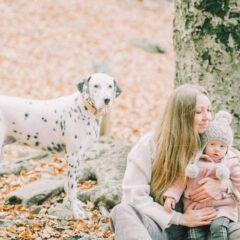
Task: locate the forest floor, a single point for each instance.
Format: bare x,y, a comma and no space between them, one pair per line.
47,47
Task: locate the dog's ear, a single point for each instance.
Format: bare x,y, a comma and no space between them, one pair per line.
89,78
117,89
83,85
80,85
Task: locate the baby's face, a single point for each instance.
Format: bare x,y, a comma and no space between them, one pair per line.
216,149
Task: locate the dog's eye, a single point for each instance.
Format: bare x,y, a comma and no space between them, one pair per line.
110,86
96,86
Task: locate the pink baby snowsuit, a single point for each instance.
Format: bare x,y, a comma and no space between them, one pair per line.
225,203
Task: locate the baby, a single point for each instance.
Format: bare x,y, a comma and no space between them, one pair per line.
215,162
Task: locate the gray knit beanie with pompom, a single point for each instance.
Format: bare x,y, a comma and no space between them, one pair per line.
220,129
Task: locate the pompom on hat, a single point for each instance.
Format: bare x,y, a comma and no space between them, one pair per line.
218,129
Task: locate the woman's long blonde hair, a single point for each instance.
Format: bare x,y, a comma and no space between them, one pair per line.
176,141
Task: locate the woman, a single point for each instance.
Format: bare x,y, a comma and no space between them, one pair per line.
153,164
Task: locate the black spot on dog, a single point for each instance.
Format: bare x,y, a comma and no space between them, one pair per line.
15,131
26,116
61,147
54,129
44,119
49,149
85,108
57,147
64,147
28,137
76,136
36,144
79,109
13,123
88,123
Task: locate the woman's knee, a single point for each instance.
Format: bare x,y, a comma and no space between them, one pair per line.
119,209
120,215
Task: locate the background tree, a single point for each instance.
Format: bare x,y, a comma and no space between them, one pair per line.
207,46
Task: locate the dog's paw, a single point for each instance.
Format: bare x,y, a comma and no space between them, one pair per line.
79,214
80,204
4,164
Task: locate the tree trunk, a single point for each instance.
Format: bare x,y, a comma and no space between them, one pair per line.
207,46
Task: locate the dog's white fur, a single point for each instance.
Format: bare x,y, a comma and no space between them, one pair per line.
65,126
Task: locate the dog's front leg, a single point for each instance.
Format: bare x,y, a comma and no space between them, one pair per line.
73,160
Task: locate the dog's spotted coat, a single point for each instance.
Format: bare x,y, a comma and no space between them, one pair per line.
65,126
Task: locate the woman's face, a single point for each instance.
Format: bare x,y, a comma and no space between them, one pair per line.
202,113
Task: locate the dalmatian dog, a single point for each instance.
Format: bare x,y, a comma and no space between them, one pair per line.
66,126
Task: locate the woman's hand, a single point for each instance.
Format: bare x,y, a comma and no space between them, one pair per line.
200,205
208,190
195,218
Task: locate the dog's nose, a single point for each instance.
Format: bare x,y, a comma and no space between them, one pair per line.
106,101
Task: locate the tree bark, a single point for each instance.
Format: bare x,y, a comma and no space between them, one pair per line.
207,46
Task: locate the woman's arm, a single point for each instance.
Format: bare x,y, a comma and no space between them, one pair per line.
136,182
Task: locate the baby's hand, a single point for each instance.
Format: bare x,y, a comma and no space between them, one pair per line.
169,204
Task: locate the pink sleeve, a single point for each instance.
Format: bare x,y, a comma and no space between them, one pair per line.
176,190
235,172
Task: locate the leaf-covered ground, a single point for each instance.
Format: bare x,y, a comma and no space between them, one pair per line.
47,47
